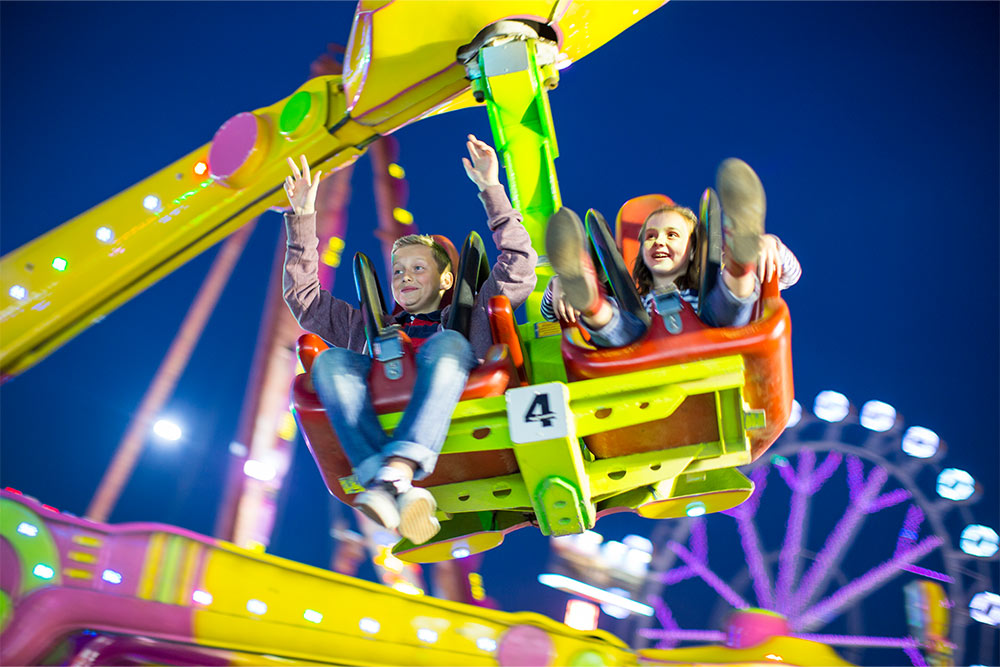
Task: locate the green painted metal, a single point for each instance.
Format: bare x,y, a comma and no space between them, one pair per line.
39,549
514,88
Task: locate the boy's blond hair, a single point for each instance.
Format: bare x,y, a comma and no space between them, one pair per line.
440,254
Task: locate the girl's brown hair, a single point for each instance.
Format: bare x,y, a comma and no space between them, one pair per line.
692,277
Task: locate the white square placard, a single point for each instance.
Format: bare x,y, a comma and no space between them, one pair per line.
538,412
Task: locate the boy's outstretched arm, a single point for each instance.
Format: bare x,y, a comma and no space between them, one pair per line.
513,274
315,309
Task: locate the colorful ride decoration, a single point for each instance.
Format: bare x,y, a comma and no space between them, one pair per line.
76,591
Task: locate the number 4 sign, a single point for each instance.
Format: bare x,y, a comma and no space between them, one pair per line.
537,412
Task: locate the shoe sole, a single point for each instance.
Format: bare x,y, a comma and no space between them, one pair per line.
743,209
565,245
417,522
382,511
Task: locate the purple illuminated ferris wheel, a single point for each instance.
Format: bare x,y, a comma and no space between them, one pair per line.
852,511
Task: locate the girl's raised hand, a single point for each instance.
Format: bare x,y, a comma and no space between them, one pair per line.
564,311
482,165
769,260
301,187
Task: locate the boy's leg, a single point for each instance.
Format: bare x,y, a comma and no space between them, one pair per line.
443,365
743,208
340,377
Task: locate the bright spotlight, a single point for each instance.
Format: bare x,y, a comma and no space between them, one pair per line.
955,484
878,416
259,470
796,414
920,442
978,540
985,608
104,234
167,430
831,406
18,292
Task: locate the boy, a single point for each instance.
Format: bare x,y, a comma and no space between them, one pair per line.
421,274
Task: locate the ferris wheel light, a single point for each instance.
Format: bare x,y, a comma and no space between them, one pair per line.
985,608
796,414
955,484
920,442
831,406
978,540
878,416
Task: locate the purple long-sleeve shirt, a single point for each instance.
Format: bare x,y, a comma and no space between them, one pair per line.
341,325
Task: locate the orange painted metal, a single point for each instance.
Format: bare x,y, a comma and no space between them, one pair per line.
504,330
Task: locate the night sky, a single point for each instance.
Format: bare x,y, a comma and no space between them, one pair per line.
873,126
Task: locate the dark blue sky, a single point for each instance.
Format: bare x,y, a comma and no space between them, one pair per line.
874,127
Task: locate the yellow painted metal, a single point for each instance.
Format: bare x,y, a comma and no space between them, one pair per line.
350,609
39,549
400,67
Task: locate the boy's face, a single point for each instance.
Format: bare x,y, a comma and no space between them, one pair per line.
417,284
666,245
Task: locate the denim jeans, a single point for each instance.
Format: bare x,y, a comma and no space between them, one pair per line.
722,309
340,377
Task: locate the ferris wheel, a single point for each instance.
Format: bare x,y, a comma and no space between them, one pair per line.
852,511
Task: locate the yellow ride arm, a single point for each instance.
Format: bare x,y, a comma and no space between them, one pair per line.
400,67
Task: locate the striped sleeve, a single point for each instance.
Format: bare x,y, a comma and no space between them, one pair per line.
791,270
548,312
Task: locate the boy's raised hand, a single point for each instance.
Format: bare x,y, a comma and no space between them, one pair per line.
482,165
301,189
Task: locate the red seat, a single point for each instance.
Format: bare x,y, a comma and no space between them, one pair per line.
765,345
492,378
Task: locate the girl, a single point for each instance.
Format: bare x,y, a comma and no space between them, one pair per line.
670,237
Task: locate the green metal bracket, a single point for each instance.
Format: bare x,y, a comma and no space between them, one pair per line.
515,88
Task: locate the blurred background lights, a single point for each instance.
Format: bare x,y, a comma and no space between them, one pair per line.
427,635
202,597
59,264
18,292
831,406
955,484
920,442
985,608
166,429
978,540
43,571
258,607
238,449
104,234
697,508
111,576
259,470
486,644
614,610
369,625
878,416
151,203
796,414
27,529
581,615
312,616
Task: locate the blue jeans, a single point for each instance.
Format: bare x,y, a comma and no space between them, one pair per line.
340,377
722,309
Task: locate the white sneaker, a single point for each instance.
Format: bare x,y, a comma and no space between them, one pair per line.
417,522
379,505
